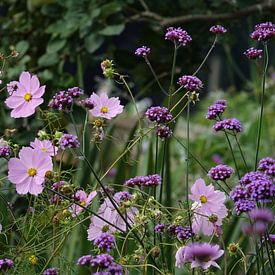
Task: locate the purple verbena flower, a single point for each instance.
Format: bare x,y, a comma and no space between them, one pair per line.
88,103
5,149
172,229
51,271
159,228
252,176
12,87
58,185
150,180
178,35
263,215
220,172
142,51
5,264
119,197
163,132
75,92
230,124
265,163
242,206
183,233
158,114
190,83
85,260
61,101
102,260
216,109
253,53
263,31
115,269
218,29
69,141
105,241
239,193
271,171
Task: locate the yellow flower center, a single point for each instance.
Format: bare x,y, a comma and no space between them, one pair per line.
32,172
27,97
203,199
33,259
104,110
44,149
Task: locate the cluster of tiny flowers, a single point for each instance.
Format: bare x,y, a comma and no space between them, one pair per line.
220,172
230,124
265,164
102,260
183,232
115,268
163,131
150,180
69,141
4,150
85,260
216,109
5,264
218,29
105,241
64,99
159,228
87,103
122,196
58,185
51,271
190,83
142,51
253,53
263,31
12,87
158,114
178,35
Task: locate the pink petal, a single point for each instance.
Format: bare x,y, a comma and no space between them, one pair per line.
34,85
24,110
14,101
39,92
25,80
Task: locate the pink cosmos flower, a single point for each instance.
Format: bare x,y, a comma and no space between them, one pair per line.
28,171
45,146
27,96
82,198
199,255
105,107
208,207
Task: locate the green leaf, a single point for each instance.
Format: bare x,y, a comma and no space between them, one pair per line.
22,47
93,42
113,30
55,45
48,59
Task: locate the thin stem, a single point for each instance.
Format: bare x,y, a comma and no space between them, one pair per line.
84,132
172,74
266,59
268,254
241,151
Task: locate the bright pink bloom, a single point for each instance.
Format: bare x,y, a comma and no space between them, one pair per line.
105,107
81,198
28,171
208,207
45,146
27,96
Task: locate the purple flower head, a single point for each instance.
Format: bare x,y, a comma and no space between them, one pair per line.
201,255
263,31
242,206
12,87
159,228
272,238
220,172
150,180
88,103
230,124
184,233
142,51
253,53
218,29
221,102
5,149
68,141
172,229
5,264
85,260
61,101
163,131
51,271
239,193
105,241
75,92
265,163
158,114
115,269
122,196
216,109
263,215
58,185
271,171
252,176
190,83
102,260
178,35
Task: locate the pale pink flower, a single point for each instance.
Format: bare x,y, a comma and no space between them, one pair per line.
27,96
83,199
28,171
45,146
208,207
105,107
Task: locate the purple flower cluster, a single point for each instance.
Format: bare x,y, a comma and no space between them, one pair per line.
220,172
183,233
64,99
230,124
159,228
178,35
150,180
69,141
142,51
216,109
218,29
12,87
158,114
263,31
88,103
5,149
163,131
265,164
190,83
115,269
85,260
253,187
253,53
105,241
51,271
102,261
122,196
5,264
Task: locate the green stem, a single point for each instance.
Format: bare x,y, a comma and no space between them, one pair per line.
266,59
241,151
84,132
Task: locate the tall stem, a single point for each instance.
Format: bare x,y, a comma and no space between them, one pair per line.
266,59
